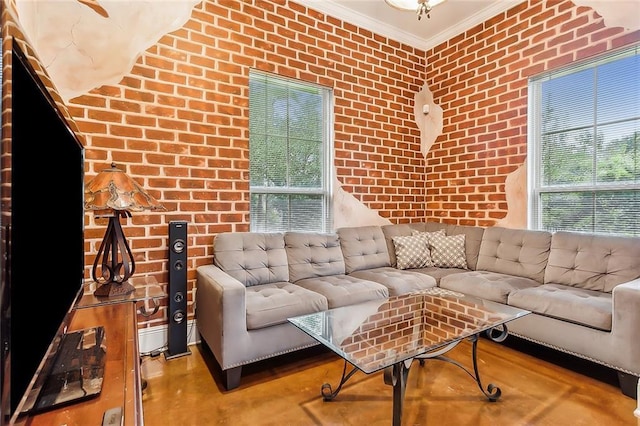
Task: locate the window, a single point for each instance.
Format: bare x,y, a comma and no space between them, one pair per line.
290,149
584,146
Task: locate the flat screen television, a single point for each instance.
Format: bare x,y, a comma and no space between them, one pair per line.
41,218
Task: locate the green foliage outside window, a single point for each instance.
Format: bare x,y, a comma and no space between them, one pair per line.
289,147
585,161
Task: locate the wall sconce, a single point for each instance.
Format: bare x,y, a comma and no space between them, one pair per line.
113,194
425,109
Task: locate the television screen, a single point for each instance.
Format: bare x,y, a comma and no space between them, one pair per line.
43,226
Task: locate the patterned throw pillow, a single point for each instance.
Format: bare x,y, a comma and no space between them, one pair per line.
412,251
448,251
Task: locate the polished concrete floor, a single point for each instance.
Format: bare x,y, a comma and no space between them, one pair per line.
539,387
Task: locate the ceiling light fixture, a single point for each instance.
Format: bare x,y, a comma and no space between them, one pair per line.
421,7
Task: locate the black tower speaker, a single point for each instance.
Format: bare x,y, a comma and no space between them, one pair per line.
177,345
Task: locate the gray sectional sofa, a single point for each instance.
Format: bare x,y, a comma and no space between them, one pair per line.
583,289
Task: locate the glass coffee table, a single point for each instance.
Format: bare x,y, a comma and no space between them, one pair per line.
389,334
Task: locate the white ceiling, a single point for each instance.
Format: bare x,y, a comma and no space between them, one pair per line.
448,19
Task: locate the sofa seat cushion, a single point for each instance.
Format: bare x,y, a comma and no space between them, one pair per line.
437,273
486,285
271,304
397,281
343,290
586,307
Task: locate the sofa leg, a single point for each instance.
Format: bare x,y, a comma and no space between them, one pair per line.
628,384
232,377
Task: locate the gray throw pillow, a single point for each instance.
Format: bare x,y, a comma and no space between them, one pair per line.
412,251
448,251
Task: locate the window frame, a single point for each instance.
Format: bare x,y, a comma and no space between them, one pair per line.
325,191
536,188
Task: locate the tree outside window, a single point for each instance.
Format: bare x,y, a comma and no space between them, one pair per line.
289,154
584,146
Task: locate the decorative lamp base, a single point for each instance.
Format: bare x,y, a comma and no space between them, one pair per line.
114,289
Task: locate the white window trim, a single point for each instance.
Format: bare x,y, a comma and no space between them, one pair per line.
534,175
328,153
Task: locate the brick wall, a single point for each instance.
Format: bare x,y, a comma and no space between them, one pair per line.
178,123
480,78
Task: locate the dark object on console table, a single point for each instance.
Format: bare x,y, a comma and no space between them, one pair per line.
73,371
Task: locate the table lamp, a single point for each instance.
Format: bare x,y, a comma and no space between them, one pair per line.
113,194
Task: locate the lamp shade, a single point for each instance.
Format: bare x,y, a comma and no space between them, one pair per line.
113,189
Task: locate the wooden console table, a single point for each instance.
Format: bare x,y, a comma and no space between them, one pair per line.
122,385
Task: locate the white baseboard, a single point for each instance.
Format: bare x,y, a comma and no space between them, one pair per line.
156,338
637,412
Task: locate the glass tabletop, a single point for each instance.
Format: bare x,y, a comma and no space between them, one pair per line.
146,290
377,334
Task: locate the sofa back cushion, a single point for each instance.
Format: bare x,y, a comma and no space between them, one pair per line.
313,255
363,247
591,261
252,258
518,252
472,236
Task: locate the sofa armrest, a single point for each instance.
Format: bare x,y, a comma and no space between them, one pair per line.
626,304
625,320
220,304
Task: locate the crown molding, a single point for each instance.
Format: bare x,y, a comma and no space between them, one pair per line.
332,8
485,14
343,13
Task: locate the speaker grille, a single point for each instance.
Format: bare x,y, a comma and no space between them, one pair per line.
177,316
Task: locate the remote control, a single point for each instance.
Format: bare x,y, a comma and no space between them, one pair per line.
112,417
